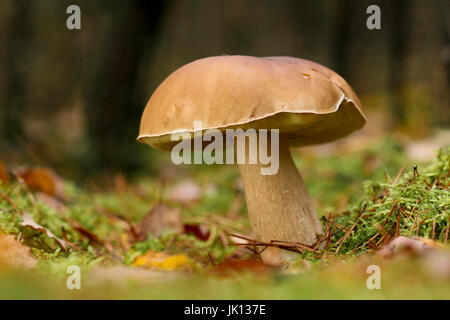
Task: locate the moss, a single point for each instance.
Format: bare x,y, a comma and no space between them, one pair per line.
418,204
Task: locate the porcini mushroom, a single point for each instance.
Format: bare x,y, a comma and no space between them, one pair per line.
307,102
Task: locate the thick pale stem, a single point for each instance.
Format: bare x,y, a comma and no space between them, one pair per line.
279,206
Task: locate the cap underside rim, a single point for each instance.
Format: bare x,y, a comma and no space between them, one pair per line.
343,98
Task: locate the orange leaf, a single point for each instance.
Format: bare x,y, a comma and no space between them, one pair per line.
14,254
3,174
42,179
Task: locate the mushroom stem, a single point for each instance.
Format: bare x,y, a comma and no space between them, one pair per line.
279,205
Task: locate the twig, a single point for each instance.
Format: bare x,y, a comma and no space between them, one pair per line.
399,174
389,214
446,231
433,233
8,199
347,234
292,246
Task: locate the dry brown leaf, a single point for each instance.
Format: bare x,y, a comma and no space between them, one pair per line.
162,261
28,222
4,178
51,201
200,231
160,218
13,254
79,227
404,245
42,179
185,192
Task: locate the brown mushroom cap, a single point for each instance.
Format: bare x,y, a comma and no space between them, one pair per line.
308,102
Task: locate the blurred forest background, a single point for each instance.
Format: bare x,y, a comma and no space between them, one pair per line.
72,99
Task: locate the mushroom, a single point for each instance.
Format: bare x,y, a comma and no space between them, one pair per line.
307,102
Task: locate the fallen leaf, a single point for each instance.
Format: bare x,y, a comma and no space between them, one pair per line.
42,179
404,245
14,254
51,201
200,231
185,192
4,178
160,218
158,260
28,222
79,227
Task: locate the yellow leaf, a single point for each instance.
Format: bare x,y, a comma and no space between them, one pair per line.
152,259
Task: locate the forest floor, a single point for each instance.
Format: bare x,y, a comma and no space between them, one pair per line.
186,235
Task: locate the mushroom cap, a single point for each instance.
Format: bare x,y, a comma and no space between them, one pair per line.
306,101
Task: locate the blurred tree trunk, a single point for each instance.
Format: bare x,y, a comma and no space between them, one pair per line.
113,104
343,18
444,109
398,51
15,74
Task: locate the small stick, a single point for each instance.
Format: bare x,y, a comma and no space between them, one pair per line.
388,177
399,174
416,172
446,232
415,221
414,208
211,259
8,199
321,238
389,214
385,236
397,229
433,233
347,234
428,184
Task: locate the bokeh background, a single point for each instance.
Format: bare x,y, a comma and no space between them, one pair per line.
72,99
